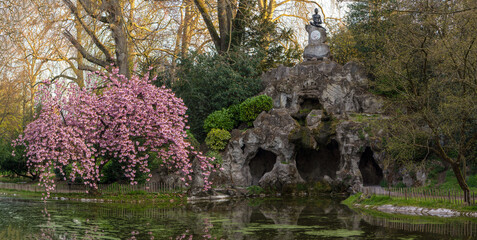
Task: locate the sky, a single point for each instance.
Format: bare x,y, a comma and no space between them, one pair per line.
334,8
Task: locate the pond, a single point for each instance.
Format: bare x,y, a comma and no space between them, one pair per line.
296,218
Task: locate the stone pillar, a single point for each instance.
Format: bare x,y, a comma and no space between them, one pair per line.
316,48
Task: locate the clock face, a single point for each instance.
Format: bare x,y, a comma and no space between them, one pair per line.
315,35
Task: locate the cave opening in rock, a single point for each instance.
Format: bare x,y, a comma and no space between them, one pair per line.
370,171
313,164
309,103
260,164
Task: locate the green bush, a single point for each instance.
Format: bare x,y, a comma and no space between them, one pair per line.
234,112
217,139
252,107
472,181
220,119
14,164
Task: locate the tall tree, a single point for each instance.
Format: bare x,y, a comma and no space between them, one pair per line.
123,32
231,17
111,14
426,66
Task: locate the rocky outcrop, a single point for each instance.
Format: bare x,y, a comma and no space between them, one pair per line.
262,150
321,84
308,136
360,164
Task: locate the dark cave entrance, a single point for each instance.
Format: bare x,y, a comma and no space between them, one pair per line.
313,164
260,164
309,103
370,170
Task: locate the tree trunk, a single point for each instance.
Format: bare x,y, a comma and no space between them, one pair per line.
461,180
224,24
79,58
239,23
200,4
118,28
186,29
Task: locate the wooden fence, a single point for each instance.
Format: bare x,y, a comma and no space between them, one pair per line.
151,187
451,196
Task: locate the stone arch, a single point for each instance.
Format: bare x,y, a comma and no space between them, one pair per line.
370,171
313,164
260,164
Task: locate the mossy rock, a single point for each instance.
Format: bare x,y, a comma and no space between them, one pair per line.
323,133
302,137
319,187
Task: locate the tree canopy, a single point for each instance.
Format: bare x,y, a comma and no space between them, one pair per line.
422,57
128,120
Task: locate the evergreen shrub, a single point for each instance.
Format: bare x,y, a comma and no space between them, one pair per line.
234,112
220,119
252,107
210,82
217,139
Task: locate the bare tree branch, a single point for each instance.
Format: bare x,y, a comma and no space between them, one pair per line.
83,52
93,36
86,68
87,7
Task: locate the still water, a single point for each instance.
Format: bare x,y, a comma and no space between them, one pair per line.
299,218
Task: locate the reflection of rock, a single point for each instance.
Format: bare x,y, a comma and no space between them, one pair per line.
287,215
239,216
236,213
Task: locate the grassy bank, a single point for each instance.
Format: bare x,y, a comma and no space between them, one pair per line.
161,200
375,200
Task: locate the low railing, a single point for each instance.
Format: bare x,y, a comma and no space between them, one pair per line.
151,187
452,196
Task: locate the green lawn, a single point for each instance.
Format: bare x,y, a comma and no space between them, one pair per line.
375,200
162,199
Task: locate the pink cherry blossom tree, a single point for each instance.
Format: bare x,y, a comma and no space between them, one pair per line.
125,119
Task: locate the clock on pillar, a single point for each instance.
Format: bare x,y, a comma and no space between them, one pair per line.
316,48
315,35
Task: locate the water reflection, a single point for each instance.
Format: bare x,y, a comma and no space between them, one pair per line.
463,229
282,219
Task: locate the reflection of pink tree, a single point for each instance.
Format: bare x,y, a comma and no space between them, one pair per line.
207,226
206,232
84,128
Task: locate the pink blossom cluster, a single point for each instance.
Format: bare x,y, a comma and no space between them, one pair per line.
126,119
